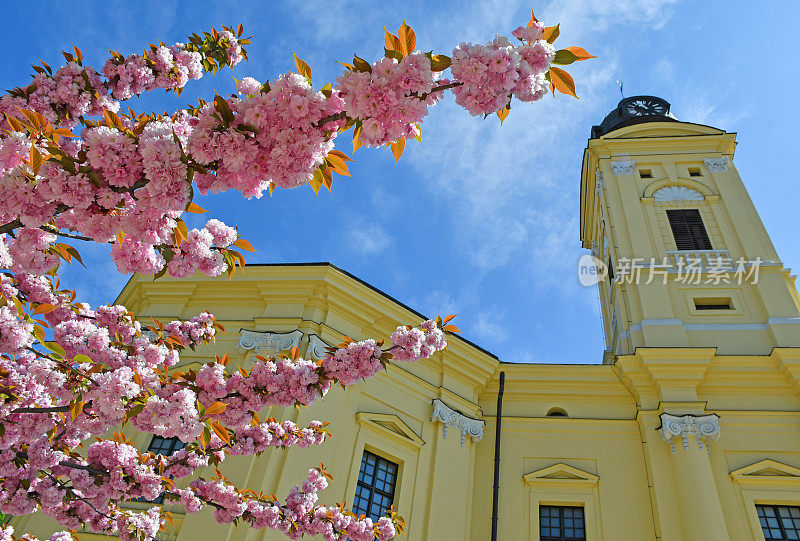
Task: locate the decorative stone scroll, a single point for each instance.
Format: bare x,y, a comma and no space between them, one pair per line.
623,168
702,427
451,418
269,342
316,347
598,182
717,165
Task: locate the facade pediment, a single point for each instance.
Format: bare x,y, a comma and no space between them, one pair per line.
562,474
391,425
767,471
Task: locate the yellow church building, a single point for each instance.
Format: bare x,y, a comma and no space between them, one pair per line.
686,428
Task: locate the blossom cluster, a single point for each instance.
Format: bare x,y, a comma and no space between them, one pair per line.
413,343
266,137
492,72
391,99
297,517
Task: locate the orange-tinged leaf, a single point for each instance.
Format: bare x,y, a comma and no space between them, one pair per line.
44,308
551,33
302,68
356,138
451,328
76,408
216,408
503,113
195,209
337,164
36,160
181,229
449,318
533,20
562,81
221,431
120,237
408,39
397,148
244,245
580,53
341,155
392,41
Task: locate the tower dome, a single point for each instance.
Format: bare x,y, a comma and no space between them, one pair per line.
634,110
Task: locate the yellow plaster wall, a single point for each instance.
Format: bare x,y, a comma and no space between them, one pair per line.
607,455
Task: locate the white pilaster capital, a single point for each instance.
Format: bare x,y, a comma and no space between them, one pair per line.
717,165
269,342
702,427
452,418
623,168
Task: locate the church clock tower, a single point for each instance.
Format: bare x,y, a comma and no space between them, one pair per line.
690,264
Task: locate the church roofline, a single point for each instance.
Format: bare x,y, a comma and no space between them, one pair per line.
352,277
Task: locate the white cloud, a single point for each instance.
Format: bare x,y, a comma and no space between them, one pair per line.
366,238
489,326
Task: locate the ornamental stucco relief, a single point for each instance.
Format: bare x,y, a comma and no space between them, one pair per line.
623,168
702,427
717,165
269,342
451,418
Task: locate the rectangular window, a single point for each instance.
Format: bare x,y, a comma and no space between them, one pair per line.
375,489
695,172
561,523
166,447
713,303
779,521
688,229
645,173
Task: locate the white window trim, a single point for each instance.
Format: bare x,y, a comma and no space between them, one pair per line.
400,445
561,484
780,487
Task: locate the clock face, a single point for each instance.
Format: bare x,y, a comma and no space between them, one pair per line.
645,107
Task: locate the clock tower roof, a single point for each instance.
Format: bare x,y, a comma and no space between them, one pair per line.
634,110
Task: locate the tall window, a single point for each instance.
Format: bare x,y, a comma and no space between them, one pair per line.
688,229
375,489
166,447
561,523
779,521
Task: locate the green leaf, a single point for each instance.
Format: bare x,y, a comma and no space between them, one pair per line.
565,57
361,65
223,109
55,348
440,62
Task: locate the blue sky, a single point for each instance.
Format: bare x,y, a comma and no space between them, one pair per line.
479,220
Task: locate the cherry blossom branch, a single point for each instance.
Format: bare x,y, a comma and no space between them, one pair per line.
62,363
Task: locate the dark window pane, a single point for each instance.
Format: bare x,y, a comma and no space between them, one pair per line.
688,229
779,522
561,523
376,485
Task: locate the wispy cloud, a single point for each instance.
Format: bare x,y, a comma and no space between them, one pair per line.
366,238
